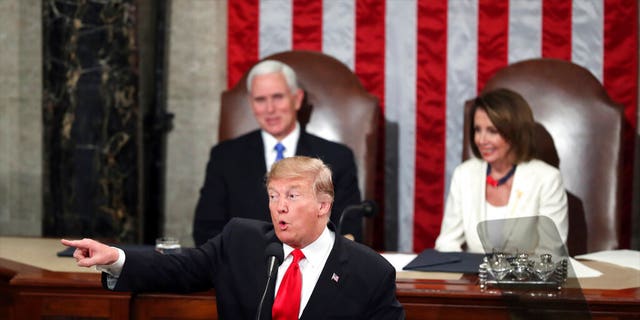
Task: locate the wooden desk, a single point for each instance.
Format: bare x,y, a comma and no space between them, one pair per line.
458,298
37,284
31,292
463,299
28,292
438,299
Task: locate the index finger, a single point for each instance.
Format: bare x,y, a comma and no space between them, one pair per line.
70,243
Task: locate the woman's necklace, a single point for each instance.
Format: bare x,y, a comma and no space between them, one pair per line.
493,182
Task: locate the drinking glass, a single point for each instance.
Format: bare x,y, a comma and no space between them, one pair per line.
168,245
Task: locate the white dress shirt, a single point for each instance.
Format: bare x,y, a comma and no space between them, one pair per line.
495,224
290,144
315,257
113,270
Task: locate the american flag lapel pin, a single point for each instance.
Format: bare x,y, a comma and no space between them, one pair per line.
335,277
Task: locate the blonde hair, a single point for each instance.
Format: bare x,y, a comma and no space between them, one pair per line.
305,167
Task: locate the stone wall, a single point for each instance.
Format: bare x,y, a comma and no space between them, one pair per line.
196,78
20,118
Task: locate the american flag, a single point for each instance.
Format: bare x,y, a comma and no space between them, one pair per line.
423,59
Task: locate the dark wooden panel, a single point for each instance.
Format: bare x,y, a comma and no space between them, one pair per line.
167,307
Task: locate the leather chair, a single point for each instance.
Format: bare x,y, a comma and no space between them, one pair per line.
579,132
336,107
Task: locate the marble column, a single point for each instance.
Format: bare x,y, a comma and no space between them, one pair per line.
91,119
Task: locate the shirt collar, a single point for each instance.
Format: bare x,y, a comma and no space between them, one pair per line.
290,143
316,252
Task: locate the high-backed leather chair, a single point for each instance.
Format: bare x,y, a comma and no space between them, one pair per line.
336,107
580,132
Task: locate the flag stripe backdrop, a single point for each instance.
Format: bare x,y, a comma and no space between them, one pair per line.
423,59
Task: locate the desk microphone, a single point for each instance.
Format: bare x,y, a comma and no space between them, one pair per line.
367,208
274,255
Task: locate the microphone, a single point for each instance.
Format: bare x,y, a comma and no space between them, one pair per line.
367,208
274,255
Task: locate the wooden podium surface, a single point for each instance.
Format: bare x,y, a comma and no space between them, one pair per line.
31,291
36,284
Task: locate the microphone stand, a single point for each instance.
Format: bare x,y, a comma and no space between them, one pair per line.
347,211
272,264
274,252
367,208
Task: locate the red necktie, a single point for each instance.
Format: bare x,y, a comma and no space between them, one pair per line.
287,303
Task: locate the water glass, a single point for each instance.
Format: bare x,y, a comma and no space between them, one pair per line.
168,245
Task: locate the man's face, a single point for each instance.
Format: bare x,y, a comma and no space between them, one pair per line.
298,216
274,105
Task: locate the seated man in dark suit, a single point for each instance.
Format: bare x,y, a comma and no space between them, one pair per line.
234,179
323,275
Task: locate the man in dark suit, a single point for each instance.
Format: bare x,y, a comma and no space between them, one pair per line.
235,173
340,279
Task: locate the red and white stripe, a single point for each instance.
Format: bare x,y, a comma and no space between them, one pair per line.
423,59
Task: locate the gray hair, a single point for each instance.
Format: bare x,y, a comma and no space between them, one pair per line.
273,66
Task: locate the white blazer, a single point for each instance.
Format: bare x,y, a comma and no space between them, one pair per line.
537,189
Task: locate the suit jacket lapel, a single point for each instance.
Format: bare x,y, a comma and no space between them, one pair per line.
304,148
255,152
332,276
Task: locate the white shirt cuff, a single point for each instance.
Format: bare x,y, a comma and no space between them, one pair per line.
115,268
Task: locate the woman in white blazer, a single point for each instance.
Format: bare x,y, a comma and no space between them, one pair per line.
502,182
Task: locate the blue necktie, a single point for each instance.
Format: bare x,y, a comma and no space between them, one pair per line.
280,149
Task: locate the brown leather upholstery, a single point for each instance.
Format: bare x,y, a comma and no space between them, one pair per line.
584,135
336,108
